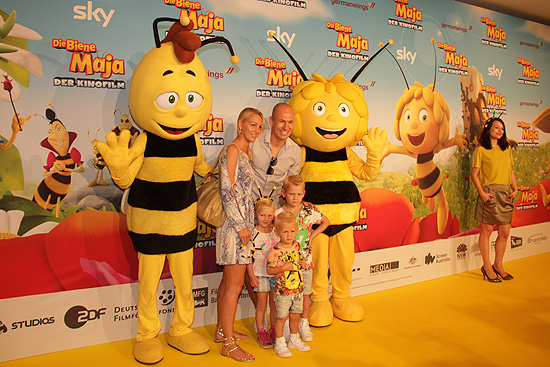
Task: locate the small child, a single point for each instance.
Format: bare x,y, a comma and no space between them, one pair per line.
264,239
285,261
293,191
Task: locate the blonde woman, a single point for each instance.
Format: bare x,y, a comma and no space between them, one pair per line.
233,246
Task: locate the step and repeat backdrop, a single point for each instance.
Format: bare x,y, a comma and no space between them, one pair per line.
69,270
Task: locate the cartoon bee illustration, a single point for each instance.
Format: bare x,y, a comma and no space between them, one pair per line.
99,163
422,125
125,124
59,168
170,98
331,117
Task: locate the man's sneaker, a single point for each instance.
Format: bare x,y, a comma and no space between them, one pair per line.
295,342
281,348
305,331
264,339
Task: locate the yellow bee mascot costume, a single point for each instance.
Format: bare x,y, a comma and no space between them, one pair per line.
331,117
170,99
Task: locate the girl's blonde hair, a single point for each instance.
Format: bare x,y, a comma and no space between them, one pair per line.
264,203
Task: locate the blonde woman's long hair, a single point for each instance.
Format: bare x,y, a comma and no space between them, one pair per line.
246,113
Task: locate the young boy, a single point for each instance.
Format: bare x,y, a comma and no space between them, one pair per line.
264,239
293,191
285,262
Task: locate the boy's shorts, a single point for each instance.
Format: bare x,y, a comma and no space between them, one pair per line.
265,284
284,304
307,276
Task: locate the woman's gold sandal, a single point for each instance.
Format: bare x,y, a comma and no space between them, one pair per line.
218,337
230,345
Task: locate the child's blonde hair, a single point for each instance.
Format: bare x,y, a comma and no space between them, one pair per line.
285,217
264,203
295,180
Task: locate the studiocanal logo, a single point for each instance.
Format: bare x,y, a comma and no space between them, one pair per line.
384,267
78,316
461,251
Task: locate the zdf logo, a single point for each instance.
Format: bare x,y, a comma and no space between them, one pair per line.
77,316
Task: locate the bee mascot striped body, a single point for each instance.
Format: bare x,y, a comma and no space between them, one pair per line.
170,99
331,117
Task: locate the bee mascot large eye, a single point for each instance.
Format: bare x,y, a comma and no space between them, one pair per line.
170,99
331,117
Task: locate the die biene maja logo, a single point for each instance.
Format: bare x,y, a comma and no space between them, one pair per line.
410,15
529,136
497,101
277,78
495,35
344,39
529,72
212,125
84,60
453,59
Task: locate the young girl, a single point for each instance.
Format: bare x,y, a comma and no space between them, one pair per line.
264,239
493,176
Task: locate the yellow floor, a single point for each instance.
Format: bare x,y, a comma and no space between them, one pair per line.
459,320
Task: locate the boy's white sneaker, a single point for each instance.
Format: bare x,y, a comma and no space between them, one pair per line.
281,348
295,342
305,331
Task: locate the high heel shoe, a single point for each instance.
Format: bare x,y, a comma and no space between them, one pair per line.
492,280
507,277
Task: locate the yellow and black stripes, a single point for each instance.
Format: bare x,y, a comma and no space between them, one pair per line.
56,186
338,200
428,175
163,197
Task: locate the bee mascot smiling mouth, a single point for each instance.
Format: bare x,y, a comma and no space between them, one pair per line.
170,99
331,117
